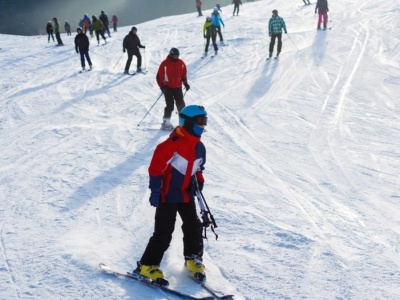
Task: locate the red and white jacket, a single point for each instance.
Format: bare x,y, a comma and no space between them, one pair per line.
174,164
172,73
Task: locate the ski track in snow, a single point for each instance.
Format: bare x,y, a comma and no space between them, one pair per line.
302,170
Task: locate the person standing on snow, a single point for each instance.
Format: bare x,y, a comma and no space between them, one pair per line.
115,22
209,32
177,164
103,18
132,44
49,30
67,28
57,31
217,21
236,4
82,47
275,27
171,73
198,6
87,24
98,28
322,7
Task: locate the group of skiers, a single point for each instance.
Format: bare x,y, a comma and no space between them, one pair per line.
86,24
177,164
236,4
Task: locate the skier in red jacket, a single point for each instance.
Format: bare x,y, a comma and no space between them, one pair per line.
170,76
177,164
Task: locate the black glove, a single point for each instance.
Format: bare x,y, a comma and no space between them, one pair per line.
187,86
285,31
144,47
155,197
77,51
201,185
164,89
205,36
124,50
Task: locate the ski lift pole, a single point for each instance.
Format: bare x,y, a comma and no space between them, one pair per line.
150,109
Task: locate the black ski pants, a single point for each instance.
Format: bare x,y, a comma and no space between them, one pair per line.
213,38
132,53
83,55
236,9
218,30
98,33
272,43
171,96
164,227
58,38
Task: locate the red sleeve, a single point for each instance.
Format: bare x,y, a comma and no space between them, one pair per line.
160,75
161,157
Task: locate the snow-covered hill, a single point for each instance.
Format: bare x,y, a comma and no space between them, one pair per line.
302,171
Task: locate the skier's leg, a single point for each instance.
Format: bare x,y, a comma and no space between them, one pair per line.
191,228
279,43
128,62
272,44
88,58
169,104
82,58
164,227
207,44
178,95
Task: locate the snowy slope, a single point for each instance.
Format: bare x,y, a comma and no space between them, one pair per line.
302,171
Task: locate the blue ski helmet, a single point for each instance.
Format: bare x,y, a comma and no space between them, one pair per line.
193,118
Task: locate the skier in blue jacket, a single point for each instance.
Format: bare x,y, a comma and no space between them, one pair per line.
217,21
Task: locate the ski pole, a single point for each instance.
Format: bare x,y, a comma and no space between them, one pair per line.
206,216
150,109
292,41
144,58
118,60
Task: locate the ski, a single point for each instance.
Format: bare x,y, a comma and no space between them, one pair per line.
82,71
148,283
217,295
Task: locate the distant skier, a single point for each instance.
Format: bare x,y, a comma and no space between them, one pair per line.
218,6
82,47
115,22
306,2
171,74
87,24
132,44
104,18
98,28
177,164
67,28
210,32
275,27
57,31
217,21
49,30
236,4
198,6
322,8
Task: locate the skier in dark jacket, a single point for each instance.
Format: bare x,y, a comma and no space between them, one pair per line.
175,168
236,4
67,28
103,17
322,7
49,30
82,47
132,44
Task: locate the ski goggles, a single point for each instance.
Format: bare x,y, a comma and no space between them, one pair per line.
200,120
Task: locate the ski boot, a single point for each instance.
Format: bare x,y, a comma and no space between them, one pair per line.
166,124
195,265
153,273
139,69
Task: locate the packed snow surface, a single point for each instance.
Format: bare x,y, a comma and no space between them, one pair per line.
303,157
